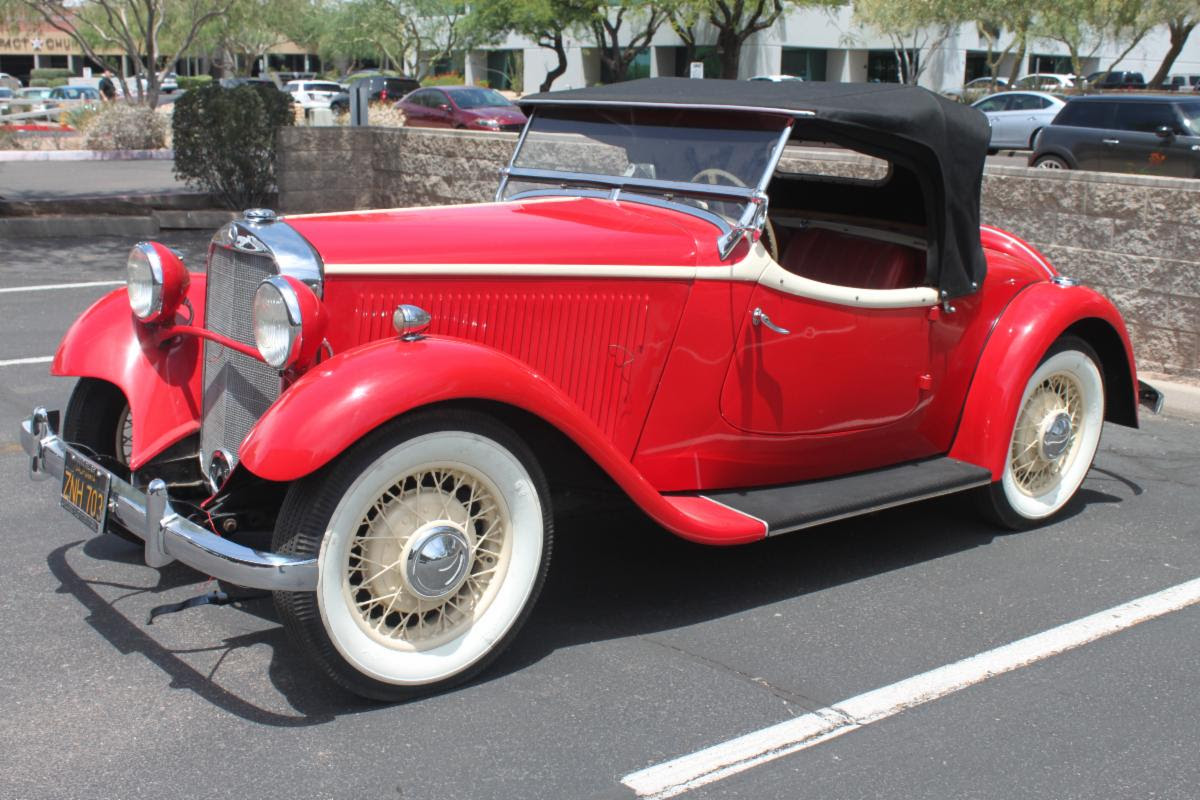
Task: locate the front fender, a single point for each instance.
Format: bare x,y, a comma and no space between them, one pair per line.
1030,324
341,400
161,383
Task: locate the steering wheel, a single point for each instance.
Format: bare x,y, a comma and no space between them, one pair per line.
715,176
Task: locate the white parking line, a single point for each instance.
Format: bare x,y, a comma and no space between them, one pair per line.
738,755
12,362
45,287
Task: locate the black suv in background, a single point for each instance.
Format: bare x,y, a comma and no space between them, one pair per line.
1116,79
382,88
1145,134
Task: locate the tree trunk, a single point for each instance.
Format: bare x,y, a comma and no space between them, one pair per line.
1180,29
729,47
557,46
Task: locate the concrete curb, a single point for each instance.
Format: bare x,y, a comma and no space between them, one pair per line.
71,226
87,155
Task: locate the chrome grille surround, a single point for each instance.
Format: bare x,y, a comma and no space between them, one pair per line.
238,389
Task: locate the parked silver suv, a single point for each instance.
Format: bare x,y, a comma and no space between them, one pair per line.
1147,134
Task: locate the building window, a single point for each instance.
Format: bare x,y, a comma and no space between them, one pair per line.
505,69
976,67
1057,65
884,67
803,62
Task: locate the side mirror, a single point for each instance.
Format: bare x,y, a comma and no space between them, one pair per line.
1165,132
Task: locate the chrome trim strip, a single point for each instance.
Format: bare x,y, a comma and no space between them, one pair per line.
167,535
713,190
763,522
634,197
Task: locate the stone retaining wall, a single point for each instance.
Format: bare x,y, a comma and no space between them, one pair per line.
1137,239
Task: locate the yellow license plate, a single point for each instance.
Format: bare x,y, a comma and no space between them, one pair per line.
85,490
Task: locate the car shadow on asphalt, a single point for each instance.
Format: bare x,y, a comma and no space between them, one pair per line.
614,574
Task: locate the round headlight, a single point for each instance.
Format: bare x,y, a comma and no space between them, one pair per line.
156,280
144,280
277,321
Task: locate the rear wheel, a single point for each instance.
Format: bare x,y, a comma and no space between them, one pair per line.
99,421
1054,438
1051,162
433,537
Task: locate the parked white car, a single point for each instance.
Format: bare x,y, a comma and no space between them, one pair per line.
1045,82
313,94
1182,83
976,87
1016,117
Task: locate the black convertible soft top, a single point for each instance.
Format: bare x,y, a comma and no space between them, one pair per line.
942,142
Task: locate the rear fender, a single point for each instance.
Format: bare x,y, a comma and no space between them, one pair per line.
162,382
341,400
1035,318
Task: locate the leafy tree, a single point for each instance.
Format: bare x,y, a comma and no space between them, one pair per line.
644,17
546,22
1084,26
150,33
914,27
1181,17
996,19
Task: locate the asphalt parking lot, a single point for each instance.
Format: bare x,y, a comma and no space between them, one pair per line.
643,648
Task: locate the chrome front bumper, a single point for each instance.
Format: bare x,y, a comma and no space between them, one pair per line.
168,536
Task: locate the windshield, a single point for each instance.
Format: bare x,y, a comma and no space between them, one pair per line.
479,98
726,149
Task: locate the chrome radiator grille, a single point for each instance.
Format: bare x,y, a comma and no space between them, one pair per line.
237,388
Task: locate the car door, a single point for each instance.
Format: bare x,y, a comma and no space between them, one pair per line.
1020,119
1134,144
814,358
993,108
1091,134
416,111
441,112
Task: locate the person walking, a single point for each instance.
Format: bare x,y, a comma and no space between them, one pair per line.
108,91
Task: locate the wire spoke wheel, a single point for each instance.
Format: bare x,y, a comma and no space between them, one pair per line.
433,538
1054,439
395,605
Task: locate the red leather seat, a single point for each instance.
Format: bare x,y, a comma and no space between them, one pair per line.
838,258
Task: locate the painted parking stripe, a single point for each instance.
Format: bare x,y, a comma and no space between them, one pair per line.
745,752
45,287
12,362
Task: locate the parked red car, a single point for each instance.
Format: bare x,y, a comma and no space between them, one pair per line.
656,304
473,107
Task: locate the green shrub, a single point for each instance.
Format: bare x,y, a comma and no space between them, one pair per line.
126,126
44,76
194,81
80,117
445,79
225,140
8,140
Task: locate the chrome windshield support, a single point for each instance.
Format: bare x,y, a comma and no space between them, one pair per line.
167,535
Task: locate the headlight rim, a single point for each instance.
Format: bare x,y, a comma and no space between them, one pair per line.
295,320
154,261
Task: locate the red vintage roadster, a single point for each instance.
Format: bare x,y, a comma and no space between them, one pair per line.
743,346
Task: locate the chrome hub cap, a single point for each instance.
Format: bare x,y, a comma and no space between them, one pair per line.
437,561
427,557
1056,436
1045,440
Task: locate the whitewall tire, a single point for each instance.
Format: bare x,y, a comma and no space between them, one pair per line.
1054,438
433,537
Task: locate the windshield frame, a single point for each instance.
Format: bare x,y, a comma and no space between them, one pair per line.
752,199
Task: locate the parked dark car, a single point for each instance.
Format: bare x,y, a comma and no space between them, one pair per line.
474,107
384,88
1116,79
1148,134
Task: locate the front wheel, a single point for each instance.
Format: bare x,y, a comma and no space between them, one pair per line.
433,538
1054,439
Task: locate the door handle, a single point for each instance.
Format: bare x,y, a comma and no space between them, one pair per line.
760,318
1111,141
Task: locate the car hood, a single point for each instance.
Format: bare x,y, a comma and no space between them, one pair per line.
547,231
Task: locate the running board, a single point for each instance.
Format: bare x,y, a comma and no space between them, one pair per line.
802,505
